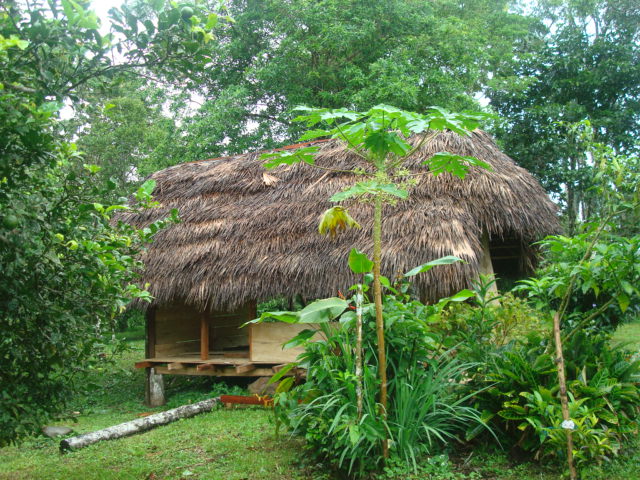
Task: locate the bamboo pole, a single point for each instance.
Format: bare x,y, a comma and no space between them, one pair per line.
564,400
359,349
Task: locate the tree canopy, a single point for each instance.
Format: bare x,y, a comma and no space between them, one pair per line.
342,53
541,66
587,67
67,267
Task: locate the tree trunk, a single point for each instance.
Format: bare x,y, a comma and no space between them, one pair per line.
377,294
137,426
571,196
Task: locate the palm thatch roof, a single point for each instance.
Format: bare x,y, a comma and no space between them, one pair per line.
247,234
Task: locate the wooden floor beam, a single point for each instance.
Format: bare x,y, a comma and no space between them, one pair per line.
144,364
245,368
206,366
176,366
218,372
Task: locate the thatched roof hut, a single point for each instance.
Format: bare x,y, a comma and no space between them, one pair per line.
250,235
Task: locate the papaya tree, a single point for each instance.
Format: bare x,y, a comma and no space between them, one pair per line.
381,137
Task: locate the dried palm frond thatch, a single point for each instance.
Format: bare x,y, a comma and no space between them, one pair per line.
248,234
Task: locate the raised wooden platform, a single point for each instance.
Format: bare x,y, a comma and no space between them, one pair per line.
234,364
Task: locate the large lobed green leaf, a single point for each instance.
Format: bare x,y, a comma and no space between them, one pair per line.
320,311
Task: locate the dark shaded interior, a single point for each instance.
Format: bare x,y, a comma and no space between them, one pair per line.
510,261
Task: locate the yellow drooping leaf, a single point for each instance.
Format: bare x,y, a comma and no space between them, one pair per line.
336,219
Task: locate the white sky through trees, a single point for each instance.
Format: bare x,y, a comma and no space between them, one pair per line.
101,7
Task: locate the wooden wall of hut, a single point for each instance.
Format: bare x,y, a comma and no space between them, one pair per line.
175,330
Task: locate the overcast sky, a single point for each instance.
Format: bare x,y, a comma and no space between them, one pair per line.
101,7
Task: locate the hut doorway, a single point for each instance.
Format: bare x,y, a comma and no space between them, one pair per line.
509,261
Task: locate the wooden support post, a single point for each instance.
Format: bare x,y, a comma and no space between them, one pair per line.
154,383
154,388
204,336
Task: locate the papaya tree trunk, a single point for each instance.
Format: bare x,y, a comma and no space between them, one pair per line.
377,295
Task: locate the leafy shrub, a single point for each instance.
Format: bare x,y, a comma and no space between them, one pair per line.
487,322
323,410
606,283
521,396
516,377
68,270
541,416
427,406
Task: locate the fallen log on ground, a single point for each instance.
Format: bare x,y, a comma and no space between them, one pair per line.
138,426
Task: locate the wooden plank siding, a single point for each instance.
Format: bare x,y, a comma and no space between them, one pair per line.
180,329
182,340
267,340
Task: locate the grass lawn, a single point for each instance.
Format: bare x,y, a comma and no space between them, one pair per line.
228,443
223,444
629,333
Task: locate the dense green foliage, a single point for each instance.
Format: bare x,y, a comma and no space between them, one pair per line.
123,129
63,283
67,267
426,406
341,53
542,66
521,396
459,370
516,377
574,60
606,283
597,266
585,66
240,443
